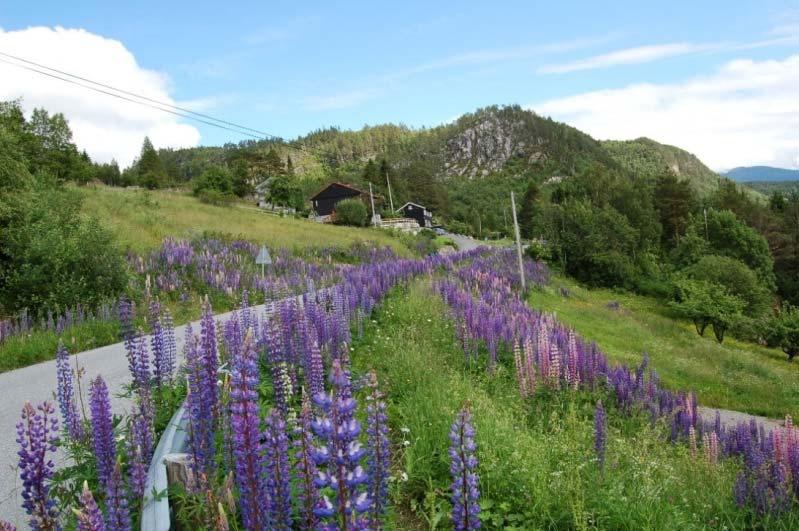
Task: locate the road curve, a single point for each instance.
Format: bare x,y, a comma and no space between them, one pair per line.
37,383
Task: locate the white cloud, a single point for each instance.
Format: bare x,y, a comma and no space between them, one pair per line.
628,56
106,127
745,113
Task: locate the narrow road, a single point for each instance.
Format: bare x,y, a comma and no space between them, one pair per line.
37,383
464,243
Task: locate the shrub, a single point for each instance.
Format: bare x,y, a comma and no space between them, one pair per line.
53,257
350,212
215,178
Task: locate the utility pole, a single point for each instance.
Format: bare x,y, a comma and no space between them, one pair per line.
518,239
390,199
372,199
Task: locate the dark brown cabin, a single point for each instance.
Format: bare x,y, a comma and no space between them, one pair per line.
324,202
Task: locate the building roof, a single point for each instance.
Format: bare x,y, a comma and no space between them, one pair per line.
341,185
411,203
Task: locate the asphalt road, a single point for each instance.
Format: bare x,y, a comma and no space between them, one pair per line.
37,383
464,243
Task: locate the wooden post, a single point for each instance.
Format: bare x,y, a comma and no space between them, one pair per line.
390,199
372,199
178,474
518,239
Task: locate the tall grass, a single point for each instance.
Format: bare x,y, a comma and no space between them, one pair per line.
142,219
537,466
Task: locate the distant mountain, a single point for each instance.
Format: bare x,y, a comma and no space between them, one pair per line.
762,173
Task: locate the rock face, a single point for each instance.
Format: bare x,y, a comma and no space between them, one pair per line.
488,144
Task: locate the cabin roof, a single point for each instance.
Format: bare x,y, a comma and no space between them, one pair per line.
338,185
411,203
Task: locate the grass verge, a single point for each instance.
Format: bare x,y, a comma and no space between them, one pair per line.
537,467
734,375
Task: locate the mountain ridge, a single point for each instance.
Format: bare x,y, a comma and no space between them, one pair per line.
762,174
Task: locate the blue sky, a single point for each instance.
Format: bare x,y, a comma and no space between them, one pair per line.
288,68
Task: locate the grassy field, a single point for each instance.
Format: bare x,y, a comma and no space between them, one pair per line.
537,466
142,219
734,375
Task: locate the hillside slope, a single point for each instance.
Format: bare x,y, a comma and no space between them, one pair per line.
141,220
648,159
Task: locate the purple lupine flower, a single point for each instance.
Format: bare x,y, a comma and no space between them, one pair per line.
247,447
139,452
278,483
378,454
600,433
162,368
463,465
66,396
307,494
89,517
103,443
37,434
139,360
167,365
117,516
7,526
312,361
203,396
127,317
339,454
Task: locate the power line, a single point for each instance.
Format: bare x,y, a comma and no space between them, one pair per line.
165,104
179,111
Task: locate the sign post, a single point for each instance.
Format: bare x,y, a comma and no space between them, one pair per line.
263,258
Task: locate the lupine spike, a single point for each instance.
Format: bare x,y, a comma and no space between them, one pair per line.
102,431
37,435
279,479
89,517
463,466
378,454
66,396
308,495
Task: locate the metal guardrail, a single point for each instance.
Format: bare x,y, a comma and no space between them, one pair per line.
155,514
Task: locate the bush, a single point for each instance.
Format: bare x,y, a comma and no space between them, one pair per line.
538,250
350,212
52,257
216,179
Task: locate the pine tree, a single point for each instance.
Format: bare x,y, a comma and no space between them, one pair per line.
149,168
528,210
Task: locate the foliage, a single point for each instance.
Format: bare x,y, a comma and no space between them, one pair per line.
350,212
707,303
148,168
52,257
216,179
723,233
594,245
736,278
783,330
284,191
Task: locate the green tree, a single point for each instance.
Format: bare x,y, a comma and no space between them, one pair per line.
784,330
674,201
722,233
283,191
272,164
527,212
350,212
217,179
706,303
149,169
736,278
240,175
